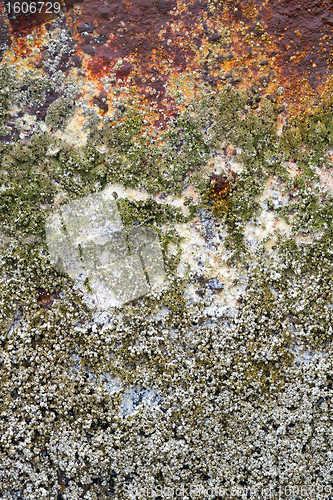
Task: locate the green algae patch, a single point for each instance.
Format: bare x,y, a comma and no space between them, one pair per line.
24,91
157,162
7,94
308,136
60,112
148,212
27,185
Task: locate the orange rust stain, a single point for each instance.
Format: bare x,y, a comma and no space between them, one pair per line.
23,49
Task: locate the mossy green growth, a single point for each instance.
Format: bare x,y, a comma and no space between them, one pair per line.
263,153
170,237
125,150
60,112
309,135
157,162
225,117
27,186
23,91
8,90
148,212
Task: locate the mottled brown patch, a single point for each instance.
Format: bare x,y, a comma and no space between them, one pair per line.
219,195
146,45
40,110
219,187
151,37
23,22
45,299
301,32
101,101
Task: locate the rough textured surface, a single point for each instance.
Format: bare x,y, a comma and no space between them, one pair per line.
212,124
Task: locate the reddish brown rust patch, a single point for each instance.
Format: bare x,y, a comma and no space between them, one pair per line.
23,23
63,482
219,194
151,37
302,35
219,187
45,299
146,44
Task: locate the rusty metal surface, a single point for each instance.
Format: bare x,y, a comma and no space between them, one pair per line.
267,44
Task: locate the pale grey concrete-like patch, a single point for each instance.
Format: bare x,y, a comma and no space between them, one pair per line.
86,238
136,396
